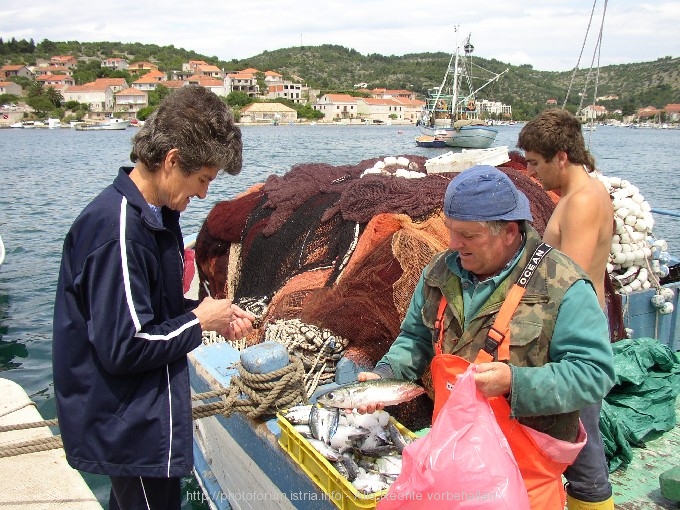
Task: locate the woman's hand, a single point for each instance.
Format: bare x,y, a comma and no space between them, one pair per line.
224,317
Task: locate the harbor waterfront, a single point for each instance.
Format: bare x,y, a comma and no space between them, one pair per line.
50,175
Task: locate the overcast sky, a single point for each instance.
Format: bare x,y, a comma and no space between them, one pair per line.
547,34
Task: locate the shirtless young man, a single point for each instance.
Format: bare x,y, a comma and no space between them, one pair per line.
582,224
581,227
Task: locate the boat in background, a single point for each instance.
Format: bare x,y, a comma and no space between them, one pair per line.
107,125
430,141
2,251
452,114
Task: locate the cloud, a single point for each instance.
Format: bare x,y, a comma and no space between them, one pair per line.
547,34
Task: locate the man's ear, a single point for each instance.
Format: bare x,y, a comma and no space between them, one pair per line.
562,158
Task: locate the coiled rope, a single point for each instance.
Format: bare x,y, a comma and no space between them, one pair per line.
256,395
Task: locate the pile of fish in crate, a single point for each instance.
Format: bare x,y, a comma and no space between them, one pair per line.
364,448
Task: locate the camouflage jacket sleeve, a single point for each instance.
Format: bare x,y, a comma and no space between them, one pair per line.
580,371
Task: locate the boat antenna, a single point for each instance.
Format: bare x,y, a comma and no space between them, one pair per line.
585,38
441,87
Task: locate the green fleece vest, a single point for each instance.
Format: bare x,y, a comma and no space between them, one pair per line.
531,327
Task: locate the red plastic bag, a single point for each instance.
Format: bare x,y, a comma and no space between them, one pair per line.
464,462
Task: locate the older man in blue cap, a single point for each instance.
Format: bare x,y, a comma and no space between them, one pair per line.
524,313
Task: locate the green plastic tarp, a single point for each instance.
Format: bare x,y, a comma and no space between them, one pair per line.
642,402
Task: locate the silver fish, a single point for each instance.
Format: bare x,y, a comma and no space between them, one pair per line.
386,391
323,422
298,415
397,438
325,450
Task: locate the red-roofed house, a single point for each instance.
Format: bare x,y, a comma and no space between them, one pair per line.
593,111
648,112
672,112
173,84
142,67
337,106
9,87
192,65
215,85
57,81
8,71
64,60
242,81
149,80
387,94
39,71
98,96
131,100
116,84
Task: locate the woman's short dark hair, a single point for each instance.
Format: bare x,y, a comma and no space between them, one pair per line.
196,122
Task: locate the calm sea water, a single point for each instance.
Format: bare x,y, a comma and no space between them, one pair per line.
48,176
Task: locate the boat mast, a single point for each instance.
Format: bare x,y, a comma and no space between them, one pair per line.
454,102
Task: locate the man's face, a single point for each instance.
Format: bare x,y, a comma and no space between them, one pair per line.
546,172
481,252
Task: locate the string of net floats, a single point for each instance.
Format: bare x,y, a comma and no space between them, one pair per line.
340,249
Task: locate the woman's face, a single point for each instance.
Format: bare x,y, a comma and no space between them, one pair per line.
177,189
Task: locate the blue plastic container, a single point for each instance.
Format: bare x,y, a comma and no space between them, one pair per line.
264,358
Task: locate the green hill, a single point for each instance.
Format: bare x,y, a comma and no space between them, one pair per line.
336,68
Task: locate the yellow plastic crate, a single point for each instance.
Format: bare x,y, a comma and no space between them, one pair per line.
338,489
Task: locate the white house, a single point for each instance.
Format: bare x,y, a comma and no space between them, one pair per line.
268,112
337,106
131,100
242,81
115,63
9,87
99,97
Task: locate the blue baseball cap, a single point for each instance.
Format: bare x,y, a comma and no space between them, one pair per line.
484,193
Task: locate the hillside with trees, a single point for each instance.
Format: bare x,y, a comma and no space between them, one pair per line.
331,68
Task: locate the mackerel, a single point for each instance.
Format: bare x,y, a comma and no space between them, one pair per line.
375,391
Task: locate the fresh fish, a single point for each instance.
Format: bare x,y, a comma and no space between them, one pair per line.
386,391
304,430
347,436
397,438
378,451
325,450
298,415
350,465
323,422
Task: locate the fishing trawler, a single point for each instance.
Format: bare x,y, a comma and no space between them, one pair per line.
451,112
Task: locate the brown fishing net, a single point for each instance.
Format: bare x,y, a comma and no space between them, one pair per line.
338,251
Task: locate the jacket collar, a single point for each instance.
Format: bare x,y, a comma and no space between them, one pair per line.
131,192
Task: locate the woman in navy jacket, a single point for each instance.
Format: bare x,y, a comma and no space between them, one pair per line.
122,327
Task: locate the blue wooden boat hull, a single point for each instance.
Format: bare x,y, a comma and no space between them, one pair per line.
238,460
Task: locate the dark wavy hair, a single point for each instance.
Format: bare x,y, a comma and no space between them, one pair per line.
199,124
556,130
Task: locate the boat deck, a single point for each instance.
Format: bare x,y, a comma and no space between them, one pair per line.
637,485
267,470
41,480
